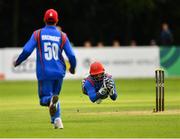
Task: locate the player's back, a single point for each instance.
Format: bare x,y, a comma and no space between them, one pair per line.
50,63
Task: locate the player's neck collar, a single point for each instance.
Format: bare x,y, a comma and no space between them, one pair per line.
50,26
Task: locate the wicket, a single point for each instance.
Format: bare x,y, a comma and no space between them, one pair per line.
159,75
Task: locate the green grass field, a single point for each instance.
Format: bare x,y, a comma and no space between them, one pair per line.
130,116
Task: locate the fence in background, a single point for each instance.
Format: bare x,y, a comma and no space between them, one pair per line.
123,62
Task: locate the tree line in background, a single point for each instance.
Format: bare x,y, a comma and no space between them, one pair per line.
94,20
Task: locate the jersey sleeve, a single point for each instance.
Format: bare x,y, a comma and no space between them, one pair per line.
91,92
27,50
69,53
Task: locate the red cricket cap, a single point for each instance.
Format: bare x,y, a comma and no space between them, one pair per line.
51,16
96,68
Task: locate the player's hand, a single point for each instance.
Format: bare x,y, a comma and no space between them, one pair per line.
15,64
102,93
111,91
72,70
108,82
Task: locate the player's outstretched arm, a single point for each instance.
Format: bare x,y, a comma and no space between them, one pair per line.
27,50
71,56
93,95
114,95
110,85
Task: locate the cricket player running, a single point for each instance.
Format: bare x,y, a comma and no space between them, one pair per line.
50,66
99,85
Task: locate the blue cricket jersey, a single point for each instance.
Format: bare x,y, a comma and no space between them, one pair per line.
49,43
91,87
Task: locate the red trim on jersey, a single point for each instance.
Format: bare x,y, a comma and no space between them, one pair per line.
92,83
64,37
35,35
39,48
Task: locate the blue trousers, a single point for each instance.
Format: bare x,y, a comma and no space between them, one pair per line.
46,89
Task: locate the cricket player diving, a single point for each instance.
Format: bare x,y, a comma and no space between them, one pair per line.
50,65
99,85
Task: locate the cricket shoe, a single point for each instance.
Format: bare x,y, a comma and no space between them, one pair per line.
53,105
58,123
